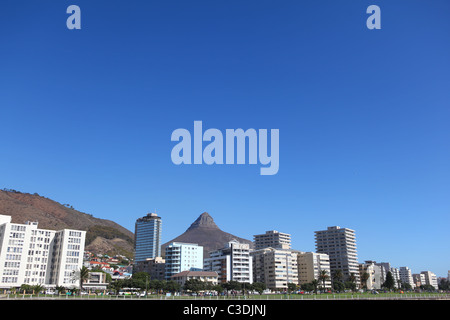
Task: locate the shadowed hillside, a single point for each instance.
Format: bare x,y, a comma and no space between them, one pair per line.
102,236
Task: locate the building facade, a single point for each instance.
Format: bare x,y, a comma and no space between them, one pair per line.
272,239
406,276
310,267
419,279
276,268
204,276
374,276
182,256
33,256
147,244
340,245
430,279
232,263
155,267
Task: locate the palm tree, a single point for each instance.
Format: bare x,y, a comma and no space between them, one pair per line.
338,275
364,277
352,280
315,283
323,276
82,275
37,288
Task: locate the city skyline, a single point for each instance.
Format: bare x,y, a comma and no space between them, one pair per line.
362,116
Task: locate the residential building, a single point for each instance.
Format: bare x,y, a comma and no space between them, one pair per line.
33,256
310,267
396,275
272,239
385,268
375,275
182,256
232,263
97,281
155,267
419,279
430,279
147,237
340,245
276,268
205,276
406,276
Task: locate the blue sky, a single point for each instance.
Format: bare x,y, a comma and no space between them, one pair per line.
363,116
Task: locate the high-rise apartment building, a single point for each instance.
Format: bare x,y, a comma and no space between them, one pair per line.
232,263
396,275
395,272
276,268
33,256
147,244
430,279
406,276
182,256
272,239
310,267
340,245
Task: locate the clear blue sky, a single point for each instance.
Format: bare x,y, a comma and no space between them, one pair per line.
87,115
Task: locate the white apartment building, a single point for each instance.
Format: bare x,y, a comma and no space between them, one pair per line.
272,239
275,267
375,279
406,276
340,245
396,275
430,279
182,256
232,263
310,267
32,256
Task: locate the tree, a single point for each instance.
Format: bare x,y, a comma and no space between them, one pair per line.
60,289
232,286
405,286
140,280
172,286
338,275
217,288
81,275
307,286
338,286
389,283
157,285
350,285
444,284
364,277
291,287
37,288
116,285
194,285
315,284
323,276
351,282
427,287
259,287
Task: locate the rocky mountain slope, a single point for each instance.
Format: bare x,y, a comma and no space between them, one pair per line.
206,233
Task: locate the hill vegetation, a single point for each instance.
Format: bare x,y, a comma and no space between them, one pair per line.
102,236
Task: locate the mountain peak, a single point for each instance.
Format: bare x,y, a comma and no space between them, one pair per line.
204,221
